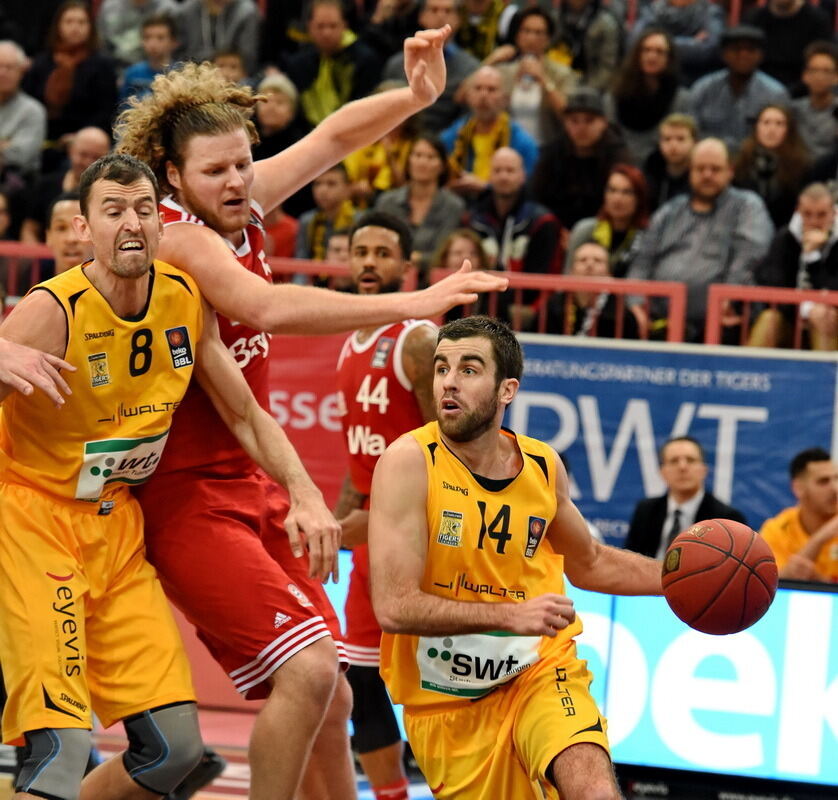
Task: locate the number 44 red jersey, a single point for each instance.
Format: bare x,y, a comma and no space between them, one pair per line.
376,397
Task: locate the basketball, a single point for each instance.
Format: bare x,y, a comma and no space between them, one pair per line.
719,576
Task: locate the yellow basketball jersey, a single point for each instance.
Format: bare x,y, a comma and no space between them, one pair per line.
130,376
486,543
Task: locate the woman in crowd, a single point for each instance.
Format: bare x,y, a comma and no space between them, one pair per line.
620,222
71,77
535,84
773,162
431,210
646,90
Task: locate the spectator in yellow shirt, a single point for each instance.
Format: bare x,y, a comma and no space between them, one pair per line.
804,538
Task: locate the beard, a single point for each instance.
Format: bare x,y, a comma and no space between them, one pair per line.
383,288
471,424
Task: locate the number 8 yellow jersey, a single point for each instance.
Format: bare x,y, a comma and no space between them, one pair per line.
130,376
486,543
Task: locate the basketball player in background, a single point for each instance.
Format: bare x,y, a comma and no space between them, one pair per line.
214,529
471,528
384,378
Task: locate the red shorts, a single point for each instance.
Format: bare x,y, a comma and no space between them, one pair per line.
218,545
363,634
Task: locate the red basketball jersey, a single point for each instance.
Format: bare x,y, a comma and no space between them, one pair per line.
376,397
199,438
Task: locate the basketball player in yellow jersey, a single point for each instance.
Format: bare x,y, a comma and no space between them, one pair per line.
84,624
471,529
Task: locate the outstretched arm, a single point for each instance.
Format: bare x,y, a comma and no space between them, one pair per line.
356,124
398,537
286,308
34,338
591,565
309,520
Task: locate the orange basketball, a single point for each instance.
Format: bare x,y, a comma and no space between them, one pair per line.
719,576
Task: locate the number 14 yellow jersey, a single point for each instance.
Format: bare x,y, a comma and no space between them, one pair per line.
486,543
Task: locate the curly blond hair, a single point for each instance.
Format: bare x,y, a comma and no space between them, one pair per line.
192,100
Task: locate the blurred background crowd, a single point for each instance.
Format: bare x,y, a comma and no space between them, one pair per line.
677,140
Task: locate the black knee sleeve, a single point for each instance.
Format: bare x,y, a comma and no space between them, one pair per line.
164,746
373,718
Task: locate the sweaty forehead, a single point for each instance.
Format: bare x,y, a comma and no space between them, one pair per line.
453,350
136,191
224,145
373,236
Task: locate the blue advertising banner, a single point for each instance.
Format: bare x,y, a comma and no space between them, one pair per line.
609,407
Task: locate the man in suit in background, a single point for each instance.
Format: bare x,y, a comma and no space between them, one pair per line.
658,520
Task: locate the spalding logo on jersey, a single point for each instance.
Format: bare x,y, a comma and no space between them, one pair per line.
179,346
382,352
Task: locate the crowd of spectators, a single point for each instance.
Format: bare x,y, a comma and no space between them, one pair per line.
684,146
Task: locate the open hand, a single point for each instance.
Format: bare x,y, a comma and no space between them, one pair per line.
25,369
309,523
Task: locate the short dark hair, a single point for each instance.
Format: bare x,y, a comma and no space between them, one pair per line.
689,439
821,48
161,20
535,11
312,4
797,466
381,219
72,196
509,358
118,167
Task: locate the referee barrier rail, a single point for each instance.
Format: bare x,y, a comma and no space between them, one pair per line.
719,295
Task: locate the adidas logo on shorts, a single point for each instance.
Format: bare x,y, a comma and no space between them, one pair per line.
280,619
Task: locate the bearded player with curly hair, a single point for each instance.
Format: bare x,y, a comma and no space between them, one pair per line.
244,567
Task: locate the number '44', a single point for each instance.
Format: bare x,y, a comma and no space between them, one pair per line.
376,397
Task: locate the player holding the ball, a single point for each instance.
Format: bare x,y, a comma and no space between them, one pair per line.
471,531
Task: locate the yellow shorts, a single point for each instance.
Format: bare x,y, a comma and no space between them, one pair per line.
83,619
502,745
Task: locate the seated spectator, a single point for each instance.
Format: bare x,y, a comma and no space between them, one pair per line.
231,64
815,113
479,30
695,27
459,245
338,252
389,24
518,234
430,210
802,255
381,166
646,91
472,140
790,26
620,223
159,37
75,82
667,169
536,85
335,68
589,313
657,521
207,26
23,120
121,26
773,162
85,147
804,538
333,210
715,234
588,39
725,103
459,64
62,238
571,172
